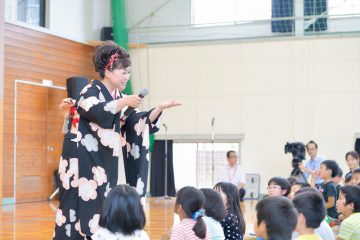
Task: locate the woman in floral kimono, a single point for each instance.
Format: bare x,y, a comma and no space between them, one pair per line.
101,143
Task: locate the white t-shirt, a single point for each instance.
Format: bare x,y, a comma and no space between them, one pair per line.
104,234
234,175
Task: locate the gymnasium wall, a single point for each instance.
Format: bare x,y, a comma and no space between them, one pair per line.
270,91
32,55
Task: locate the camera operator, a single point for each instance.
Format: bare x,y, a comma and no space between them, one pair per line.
313,164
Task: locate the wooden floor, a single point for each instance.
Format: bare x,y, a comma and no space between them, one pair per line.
35,221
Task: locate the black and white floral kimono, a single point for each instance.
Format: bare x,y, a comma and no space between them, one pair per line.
92,160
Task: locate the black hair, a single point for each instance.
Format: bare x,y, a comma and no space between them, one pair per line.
229,152
279,216
356,171
191,201
122,211
331,165
102,56
352,195
282,182
233,202
312,206
213,206
353,154
301,184
340,172
312,142
292,180
306,189
348,178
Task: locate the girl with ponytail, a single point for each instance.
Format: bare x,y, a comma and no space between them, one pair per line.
189,206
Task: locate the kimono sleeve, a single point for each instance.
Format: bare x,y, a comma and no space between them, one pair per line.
93,107
138,117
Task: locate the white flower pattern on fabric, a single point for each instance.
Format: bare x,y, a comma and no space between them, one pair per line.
88,103
60,218
111,106
90,143
68,230
146,137
140,126
140,186
101,97
99,175
135,151
108,137
72,215
78,228
62,165
65,179
85,89
87,189
107,191
94,223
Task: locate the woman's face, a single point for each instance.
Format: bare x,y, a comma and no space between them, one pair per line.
352,162
119,78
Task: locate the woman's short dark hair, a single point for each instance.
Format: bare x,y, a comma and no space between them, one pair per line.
352,195
282,182
122,211
301,184
214,206
103,54
279,215
191,201
353,154
230,152
233,197
312,206
291,180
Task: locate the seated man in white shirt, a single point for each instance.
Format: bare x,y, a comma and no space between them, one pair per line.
234,174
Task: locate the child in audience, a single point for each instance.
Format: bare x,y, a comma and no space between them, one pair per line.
349,205
337,180
276,218
189,206
324,230
214,213
278,186
347,180
328,170
291,180
311,212
355,178
122,216
234,224
296,186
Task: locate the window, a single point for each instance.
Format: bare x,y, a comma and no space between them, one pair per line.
344,7
31,12
194,160
224,12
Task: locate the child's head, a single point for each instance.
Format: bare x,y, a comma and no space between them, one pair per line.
189,203
113,63
276,218
292,180
347,180
311,209
278,186
349,200
355,177
296,186
338,178
231,200
213,206
352,159
122,211
328,169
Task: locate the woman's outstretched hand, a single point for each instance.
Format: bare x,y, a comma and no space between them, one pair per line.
169,104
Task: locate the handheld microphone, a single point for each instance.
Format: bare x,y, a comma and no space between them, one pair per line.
142,94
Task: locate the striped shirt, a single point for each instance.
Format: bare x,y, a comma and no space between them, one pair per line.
350,228
183,231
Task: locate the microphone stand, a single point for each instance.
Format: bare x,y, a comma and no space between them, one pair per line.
166,164
212,151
